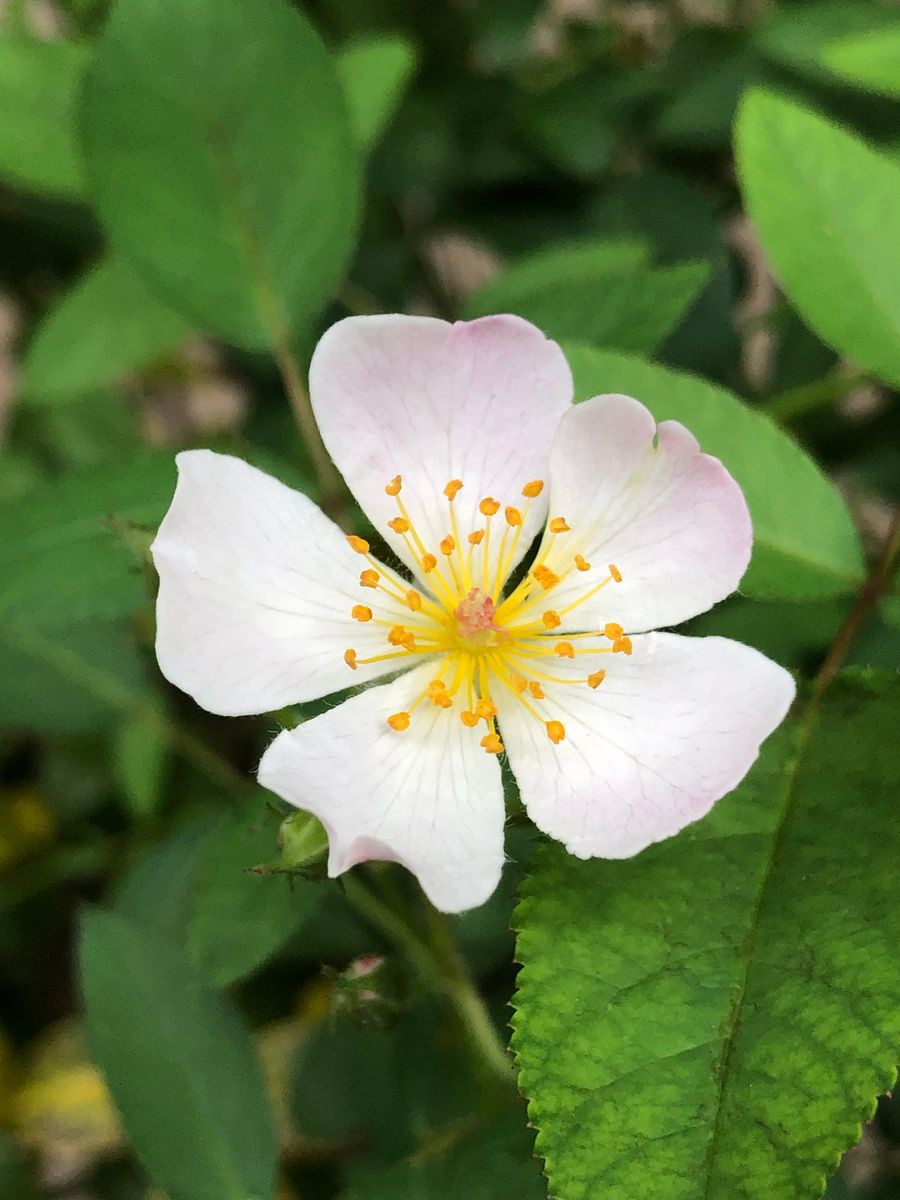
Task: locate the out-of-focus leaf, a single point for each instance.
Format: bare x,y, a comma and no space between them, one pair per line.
574,124
240,918
68,679
60,557
599,293
374,74
797,635
827,208
805,545
180,1065
701,112
870,60
222,160
109,325
720,1012
140,750
800,37
39,84
495,1163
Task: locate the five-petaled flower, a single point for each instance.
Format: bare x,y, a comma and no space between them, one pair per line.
461,443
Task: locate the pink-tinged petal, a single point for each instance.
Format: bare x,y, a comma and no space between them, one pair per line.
256,587
430,401
643,497
428,797
669,731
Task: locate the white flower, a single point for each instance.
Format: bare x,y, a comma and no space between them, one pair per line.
459,442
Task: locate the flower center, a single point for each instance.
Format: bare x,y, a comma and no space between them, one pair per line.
478,641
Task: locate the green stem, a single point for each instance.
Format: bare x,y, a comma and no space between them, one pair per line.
786,406
440,966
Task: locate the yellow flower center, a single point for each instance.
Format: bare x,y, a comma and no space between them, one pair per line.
479,639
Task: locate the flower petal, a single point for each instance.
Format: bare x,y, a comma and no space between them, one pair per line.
256,586
645,498
429,797
429,401
669,731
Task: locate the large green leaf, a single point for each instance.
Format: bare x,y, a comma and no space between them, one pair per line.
180,1065
827,208
801,36
238,918
38,89
374,73
61,557
109,325
603,293
804,543
870,59
222,160
713,1019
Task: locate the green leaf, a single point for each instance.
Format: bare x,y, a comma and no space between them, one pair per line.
107,326
240,918
180,1065
39,83
800,37
495,1163
720,1012
597,292
374,73
140,750
805,546
222,160
871,60
827,208
61,560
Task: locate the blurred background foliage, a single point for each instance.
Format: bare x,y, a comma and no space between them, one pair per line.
570,160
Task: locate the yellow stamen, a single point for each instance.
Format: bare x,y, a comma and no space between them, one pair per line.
564,650
429,562
545,577
413,600
369,578
361,612
594,681
556,732
582,564
436,685
399,721
613,631
622,645
489,506
532,490
393,488
360,545
399,525
484,710
513,516
615,572
551,619
447,545
536,690
442,700
476,536
518,683
453,488
469,719
492,744
559,525
350,659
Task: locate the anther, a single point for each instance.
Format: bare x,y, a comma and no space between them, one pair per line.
594,681
429,562
533,489
513,516
613,631
413,600
492,744
564,650
551,619
434,688
476,537
485,710
350,659
518,683
442,700
361,612
369,578
399,636
399,525
447,545
615,572
393,488
469,719
488,506
545,577
360,545
582,564
399,721
536,690
560,525
453,488
622,645
556,731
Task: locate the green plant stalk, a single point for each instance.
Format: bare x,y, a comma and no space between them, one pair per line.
787,406
440,966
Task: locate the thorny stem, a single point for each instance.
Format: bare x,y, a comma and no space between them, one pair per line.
786,406
439,965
